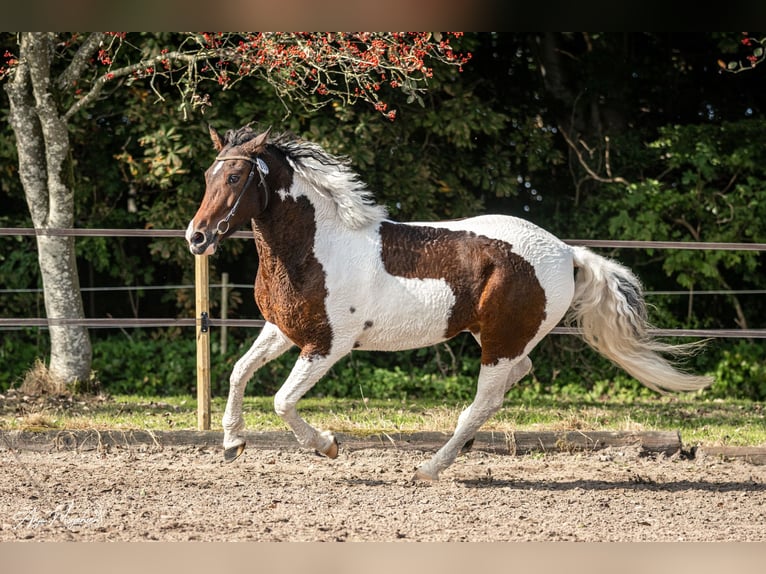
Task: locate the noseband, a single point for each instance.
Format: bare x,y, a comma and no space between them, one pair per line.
263,169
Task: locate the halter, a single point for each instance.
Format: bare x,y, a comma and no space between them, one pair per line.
263,169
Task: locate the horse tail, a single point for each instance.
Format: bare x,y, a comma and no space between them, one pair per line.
609,308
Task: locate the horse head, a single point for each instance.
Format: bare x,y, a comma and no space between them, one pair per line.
237,187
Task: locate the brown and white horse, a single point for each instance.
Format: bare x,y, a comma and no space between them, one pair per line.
336,275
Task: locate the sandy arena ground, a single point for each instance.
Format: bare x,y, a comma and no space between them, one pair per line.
189,493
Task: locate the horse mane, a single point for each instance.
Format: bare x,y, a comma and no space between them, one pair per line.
331,176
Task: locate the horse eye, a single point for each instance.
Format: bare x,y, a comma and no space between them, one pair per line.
233,178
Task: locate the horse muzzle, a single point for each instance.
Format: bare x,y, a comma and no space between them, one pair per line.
201,242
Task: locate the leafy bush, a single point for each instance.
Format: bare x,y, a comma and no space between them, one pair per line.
146,366
164,363
741,372
18,353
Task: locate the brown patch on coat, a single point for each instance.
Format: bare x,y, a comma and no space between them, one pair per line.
290,284
290,287
497,293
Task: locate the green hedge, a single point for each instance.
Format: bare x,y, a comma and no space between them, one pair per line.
165,364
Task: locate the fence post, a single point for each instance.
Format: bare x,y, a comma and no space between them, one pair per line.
202,300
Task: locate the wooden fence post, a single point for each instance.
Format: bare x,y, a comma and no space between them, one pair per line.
202,300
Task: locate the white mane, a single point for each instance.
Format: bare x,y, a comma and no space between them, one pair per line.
332,177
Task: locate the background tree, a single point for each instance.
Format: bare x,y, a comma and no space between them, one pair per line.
58,76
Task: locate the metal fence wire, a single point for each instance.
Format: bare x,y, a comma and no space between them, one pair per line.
15,323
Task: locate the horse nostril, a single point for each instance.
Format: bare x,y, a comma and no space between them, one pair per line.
197,238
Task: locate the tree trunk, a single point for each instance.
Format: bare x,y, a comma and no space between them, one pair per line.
42,141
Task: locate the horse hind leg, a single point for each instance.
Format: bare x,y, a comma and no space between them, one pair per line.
513,377
270,344
510,382
494,382
306,372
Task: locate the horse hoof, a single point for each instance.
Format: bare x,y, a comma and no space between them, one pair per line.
332,452
233,453
423,476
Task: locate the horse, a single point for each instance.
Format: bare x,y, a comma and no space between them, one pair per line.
336,274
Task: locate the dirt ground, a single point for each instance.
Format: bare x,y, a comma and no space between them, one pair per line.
189,493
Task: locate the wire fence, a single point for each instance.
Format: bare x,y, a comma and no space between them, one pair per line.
16,323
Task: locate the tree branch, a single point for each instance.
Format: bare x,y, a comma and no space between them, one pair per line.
54,129
80,60
683,223
587,167
141,66
29,141
310,68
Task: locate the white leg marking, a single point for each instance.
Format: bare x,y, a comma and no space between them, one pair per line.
304,375
494,381
270,344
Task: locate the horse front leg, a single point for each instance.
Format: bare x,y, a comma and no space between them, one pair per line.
306,372
270,344
494,381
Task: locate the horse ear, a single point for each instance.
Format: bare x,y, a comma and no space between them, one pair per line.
218,140
256,145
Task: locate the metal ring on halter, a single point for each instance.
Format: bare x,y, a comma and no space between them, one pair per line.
218,229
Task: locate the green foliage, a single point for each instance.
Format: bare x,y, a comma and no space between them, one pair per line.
165,364
710,189
20,272
690,143
354,378
18,353
145,365
741,372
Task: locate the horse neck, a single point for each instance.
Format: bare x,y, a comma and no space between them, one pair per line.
285,232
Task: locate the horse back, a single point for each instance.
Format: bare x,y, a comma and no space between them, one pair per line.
426,282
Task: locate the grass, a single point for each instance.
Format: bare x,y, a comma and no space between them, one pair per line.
700,421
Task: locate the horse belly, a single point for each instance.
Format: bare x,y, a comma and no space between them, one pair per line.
397,314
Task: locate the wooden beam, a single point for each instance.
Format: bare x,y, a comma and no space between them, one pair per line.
517,443
752,454
202,301
525,442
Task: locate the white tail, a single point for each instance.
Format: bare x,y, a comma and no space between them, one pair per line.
609,308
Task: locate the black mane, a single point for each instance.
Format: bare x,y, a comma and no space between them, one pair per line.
289,144
330,175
